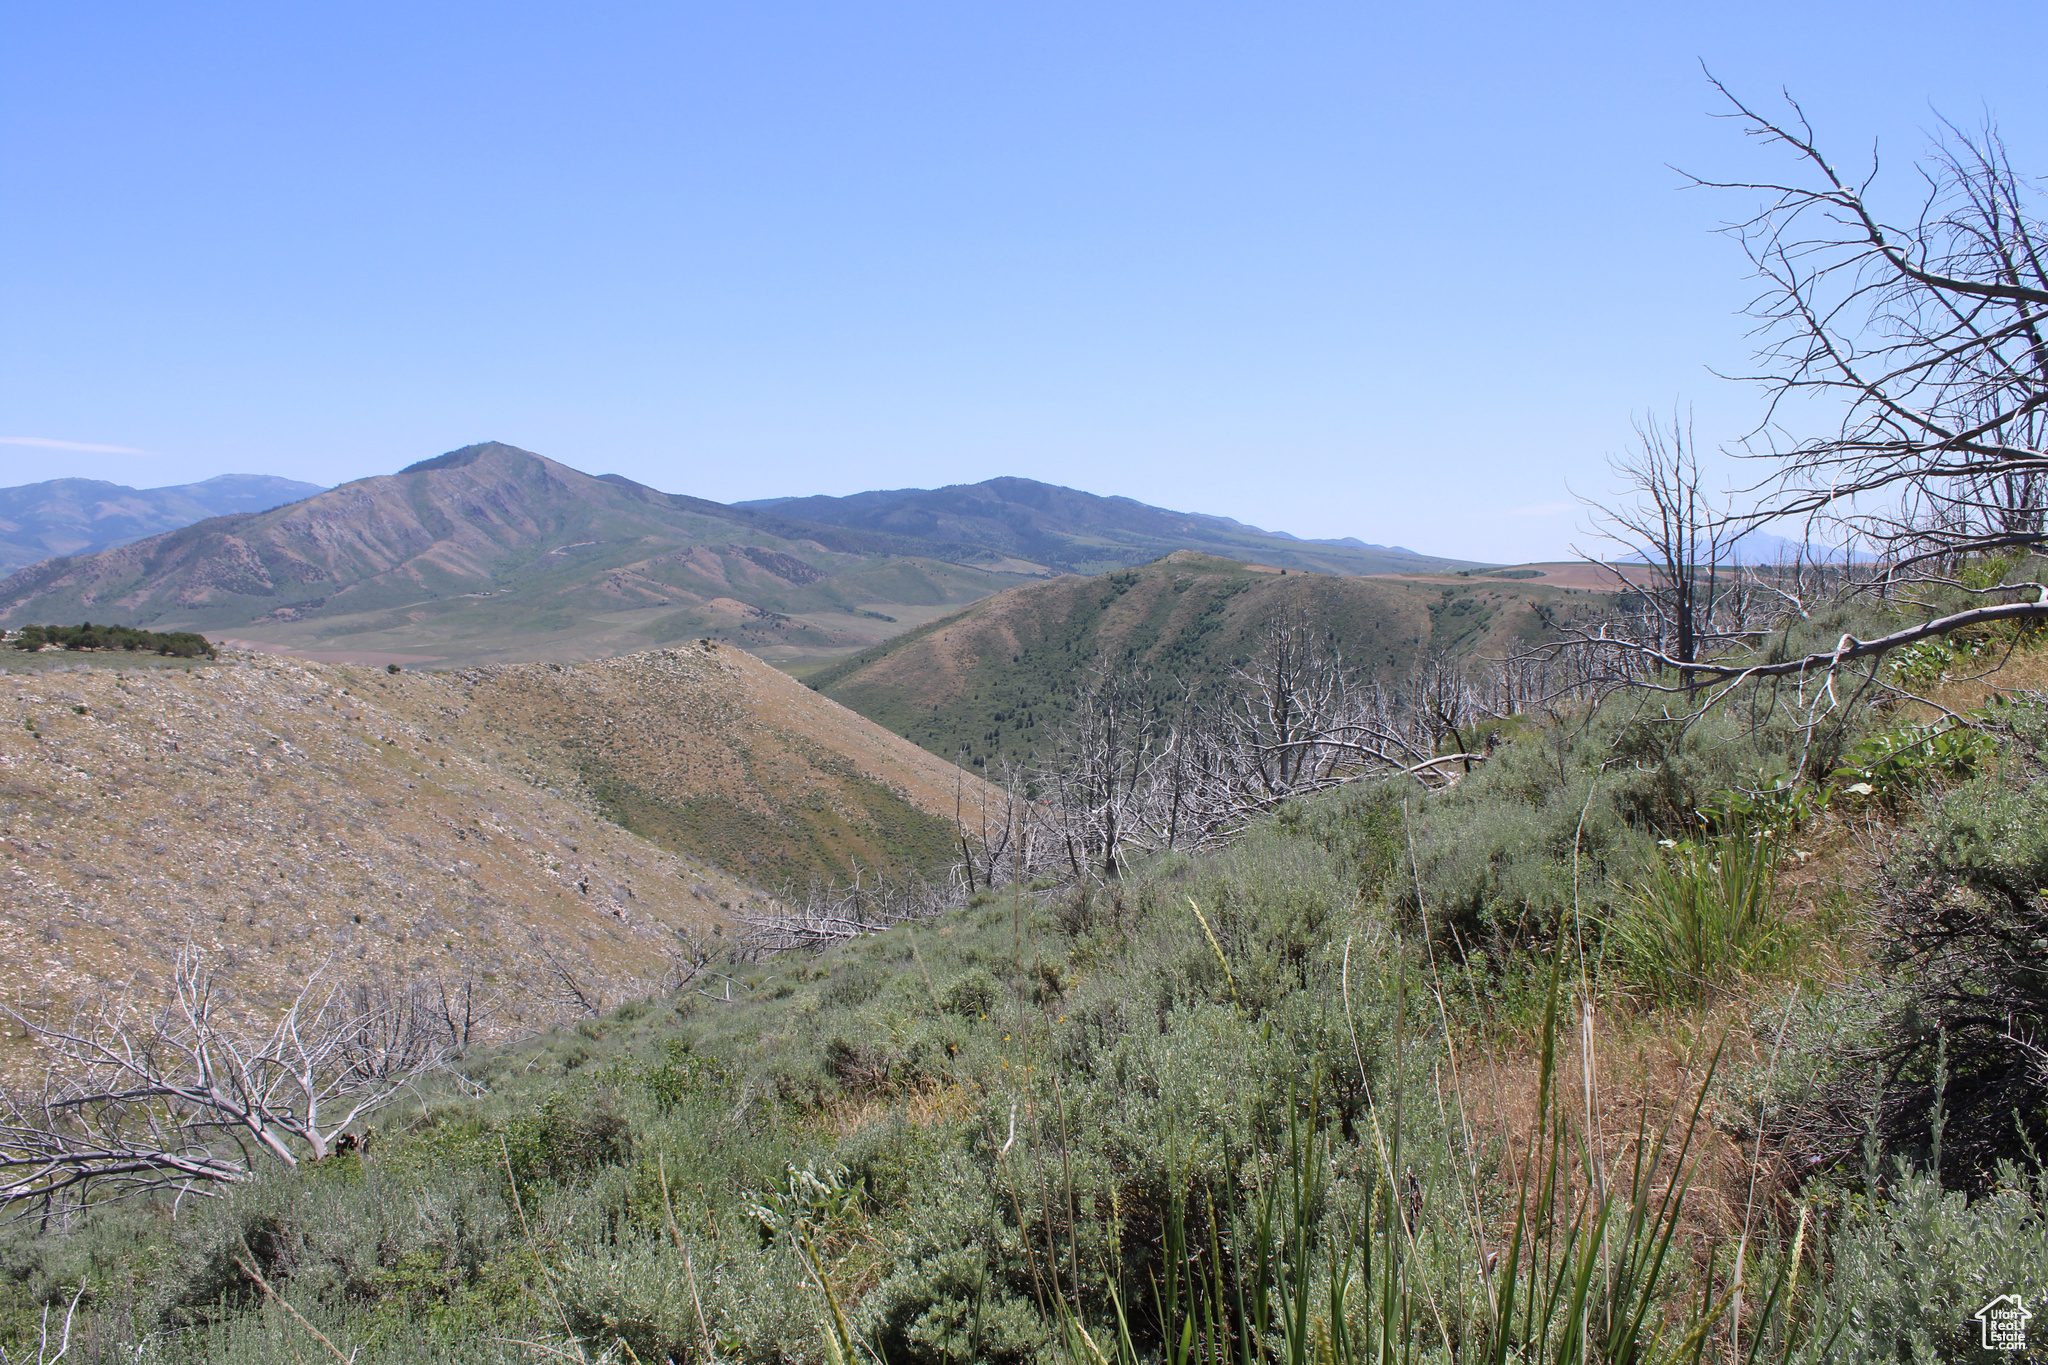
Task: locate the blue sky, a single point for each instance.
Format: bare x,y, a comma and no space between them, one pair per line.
1335,269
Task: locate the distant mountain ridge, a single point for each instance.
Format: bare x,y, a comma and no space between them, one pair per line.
1077,532
493,554
81,516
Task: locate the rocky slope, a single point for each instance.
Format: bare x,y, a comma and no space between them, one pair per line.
280,815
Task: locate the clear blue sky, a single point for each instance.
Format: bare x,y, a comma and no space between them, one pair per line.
1337,269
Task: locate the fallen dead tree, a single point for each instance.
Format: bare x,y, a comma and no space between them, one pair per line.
192,1095
827,915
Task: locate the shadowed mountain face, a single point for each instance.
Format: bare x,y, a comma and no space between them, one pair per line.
80,516
1078,532
493,553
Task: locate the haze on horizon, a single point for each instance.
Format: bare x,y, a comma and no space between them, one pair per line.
1330,270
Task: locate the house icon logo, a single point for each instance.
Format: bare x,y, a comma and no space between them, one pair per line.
2004,1321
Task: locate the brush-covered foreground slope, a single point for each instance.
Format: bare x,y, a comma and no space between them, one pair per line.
1079,532
277,815
709,751
78,516
995,678
490,553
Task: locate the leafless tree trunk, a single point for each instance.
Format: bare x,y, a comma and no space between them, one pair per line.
186,1096
1681,538
826,915
1092,776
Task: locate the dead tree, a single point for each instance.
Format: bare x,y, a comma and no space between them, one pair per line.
1925,332
1291,722
187,1096
1678,567
831,914
994,831
1282,709
1092,776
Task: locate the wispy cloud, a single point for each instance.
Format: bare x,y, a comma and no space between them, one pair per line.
87,447
1544,509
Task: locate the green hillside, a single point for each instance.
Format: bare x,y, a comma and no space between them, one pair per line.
993,680
1396,1075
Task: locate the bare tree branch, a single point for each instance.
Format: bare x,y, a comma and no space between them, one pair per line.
1930,334
187,1096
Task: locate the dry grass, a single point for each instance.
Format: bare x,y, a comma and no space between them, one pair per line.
282,815
2021,668
932,1108
1648,1064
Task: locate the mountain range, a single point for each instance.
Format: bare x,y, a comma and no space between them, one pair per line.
494,554
80,516
1078,532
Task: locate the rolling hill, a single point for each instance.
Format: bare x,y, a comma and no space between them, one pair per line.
1079,532
80,516
994,678
279,814
713,753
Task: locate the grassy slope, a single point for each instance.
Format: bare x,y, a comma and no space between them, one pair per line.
992,680
711,752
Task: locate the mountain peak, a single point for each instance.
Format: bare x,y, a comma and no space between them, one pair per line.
456,459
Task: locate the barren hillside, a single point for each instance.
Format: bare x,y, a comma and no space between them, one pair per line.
279,815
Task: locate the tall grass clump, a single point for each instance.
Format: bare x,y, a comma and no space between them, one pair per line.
1699,915
1558,1258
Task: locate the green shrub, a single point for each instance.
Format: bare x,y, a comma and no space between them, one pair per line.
973,995
679,1076
1957,1002
182,644
1895,764
571,1135
1909,1270
1930,662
